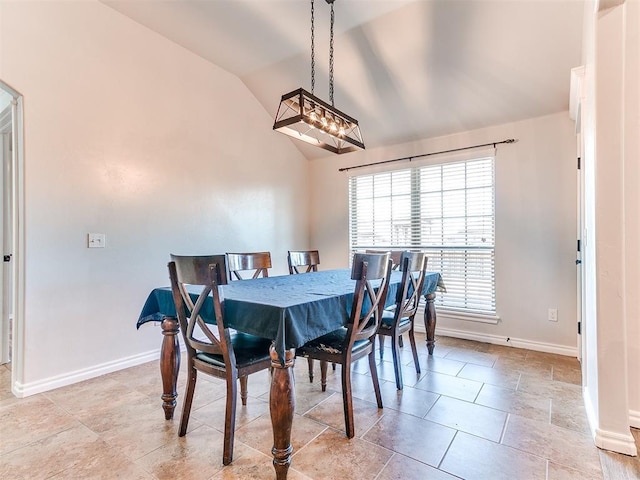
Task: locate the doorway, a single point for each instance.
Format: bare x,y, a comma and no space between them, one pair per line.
6,149
10,223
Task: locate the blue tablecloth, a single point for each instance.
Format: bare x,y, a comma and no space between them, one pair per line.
288,309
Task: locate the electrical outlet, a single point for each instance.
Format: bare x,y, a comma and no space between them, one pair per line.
553,315
96,240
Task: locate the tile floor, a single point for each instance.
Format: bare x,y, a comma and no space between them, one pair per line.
477,411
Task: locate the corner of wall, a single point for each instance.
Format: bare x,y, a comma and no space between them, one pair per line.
634,418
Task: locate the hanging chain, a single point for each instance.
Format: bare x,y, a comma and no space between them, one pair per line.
313,53
331,58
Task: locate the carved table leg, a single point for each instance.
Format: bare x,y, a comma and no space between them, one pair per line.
282,404
169,365
430,321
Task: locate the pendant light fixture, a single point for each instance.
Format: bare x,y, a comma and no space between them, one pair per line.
304,116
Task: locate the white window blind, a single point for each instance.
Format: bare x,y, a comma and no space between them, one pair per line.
446,210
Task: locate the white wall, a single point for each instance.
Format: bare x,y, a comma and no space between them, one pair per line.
130,135
590,379
632,206
610,127
535,226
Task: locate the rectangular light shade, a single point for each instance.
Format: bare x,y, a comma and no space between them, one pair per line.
304,116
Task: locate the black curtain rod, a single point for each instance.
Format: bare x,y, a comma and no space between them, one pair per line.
509,140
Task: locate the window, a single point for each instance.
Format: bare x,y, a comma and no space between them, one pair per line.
447,210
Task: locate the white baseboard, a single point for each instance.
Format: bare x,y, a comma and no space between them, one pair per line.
501,340
634,418
616,442
21,390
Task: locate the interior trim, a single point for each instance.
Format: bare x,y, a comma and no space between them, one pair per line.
501,340
616,442
21,390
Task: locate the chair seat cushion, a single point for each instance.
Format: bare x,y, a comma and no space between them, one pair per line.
330,343
248,349
387,320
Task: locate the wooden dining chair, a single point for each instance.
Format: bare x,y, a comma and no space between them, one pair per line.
213,349
299,260
304,261
255,264
394,254
399,320
357,338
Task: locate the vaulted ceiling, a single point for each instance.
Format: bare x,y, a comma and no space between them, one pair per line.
406,69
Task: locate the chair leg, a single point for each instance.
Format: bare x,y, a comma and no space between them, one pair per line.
400,342
412,339
397,366
244,392
323,375
188,400
374,377
333,366
230,419
381,339
347,400
310,362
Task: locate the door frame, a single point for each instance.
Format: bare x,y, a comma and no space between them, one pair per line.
16,226
6,130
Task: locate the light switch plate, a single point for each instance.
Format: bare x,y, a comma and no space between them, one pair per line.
96,240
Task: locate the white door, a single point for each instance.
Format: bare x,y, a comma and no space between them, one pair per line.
576,113
580,247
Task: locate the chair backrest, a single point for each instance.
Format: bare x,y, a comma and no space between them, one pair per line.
368,301
409,293
299,259
207,272
257,262
394,254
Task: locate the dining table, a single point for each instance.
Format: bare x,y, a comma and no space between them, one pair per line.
290,310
